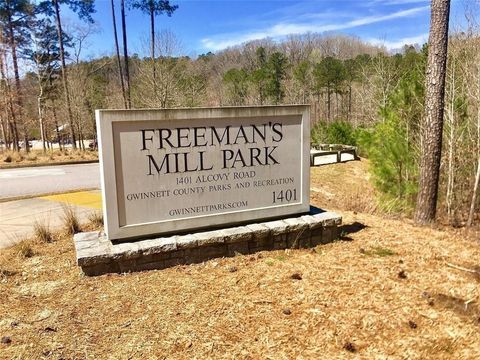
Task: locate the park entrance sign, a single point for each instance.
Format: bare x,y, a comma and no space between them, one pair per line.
172,171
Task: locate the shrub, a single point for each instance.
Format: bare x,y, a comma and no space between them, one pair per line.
338,132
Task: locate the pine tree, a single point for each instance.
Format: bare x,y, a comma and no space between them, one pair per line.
84,9
153,8
277,70
432,128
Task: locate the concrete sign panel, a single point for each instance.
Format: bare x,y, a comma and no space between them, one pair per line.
172,171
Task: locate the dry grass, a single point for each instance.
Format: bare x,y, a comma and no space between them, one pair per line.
9,157
386,292
42,232
24,249
260,310
32,156
12,159
95,219
344,186
71,222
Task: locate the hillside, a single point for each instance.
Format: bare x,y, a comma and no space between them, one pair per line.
386,289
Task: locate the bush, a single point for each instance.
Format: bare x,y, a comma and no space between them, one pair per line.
338,132
393,164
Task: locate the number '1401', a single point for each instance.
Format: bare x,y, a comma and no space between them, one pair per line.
284,196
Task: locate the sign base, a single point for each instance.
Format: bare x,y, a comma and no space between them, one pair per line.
97,255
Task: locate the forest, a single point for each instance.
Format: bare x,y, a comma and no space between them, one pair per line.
360,94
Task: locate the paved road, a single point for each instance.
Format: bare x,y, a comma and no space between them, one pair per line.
48,179
17,218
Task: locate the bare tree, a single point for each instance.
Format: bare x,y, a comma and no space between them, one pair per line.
431,145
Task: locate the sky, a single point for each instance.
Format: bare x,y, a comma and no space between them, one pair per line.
213,25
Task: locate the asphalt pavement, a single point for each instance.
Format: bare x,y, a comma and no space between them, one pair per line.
21,182
17,217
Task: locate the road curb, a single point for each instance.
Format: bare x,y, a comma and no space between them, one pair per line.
24,197
79,162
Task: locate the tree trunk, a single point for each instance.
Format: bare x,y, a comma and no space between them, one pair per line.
13,48
349,101
474,196
119,63
4,134
4,120
64,73
328,103
57,132
431,146
152,46
450,119
40,120
125,53
477,176
25,137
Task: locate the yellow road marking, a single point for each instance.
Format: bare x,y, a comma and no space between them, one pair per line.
81,198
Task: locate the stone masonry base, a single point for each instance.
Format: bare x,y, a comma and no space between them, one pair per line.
96,255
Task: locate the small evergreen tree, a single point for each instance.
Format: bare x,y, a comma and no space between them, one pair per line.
260,74
277,70
392,145
236,81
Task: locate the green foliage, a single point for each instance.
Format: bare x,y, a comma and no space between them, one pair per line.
83,8
379,251
276,72
154,7
236,81
302,74
329,75
259,75
392,145
338,132
392,163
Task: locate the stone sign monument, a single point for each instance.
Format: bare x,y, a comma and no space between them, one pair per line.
169,171
186,185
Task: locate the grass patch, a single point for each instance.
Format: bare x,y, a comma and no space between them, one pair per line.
71,222
95,219
42,232
24,249
11,158
281,258
8,158
379,251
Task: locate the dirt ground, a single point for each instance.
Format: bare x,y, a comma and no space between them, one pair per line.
11,159
385,290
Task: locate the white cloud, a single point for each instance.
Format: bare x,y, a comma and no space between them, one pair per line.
222,41
398,44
